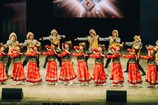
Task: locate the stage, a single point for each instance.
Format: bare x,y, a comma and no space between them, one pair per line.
83,94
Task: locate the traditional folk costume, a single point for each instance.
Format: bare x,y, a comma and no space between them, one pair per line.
136,44
156,60
92,40
116,72
134,76
54,38
29,42
67,72
83,74
51,74
18,71
99,75
3,75
151,71
113,41
11,43
33,74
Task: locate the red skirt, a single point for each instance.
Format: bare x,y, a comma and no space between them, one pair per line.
83,72
51,74
99,75
18,72
134,76
67,72
3,75
157,76
116,73
33,74
151,74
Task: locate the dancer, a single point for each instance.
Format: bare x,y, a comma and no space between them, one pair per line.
3,75
136,44
116,72
33,74
113,41
51,74
67,73
134,77
83,74
11,43
99,75
54,38
151,71
30,41
92,40
18,75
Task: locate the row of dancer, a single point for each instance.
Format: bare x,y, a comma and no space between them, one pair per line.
92,38
67,73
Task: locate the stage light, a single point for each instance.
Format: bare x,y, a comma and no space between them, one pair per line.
88,8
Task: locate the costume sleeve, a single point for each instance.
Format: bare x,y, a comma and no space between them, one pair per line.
64,53
118,40
77,54
129,43
145,57
129,56
82,38
47,38
25,43
112,56
104,39
8,43
96,56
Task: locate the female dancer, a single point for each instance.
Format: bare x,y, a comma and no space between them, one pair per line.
116,72
18,71
134,76
33,74
67,72
83,74
51,74
99,75
3,75
151,71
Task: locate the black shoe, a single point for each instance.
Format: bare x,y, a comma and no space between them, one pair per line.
126,71
143,74
44,66
106,67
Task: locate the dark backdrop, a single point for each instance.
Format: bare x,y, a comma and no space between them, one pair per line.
40,21
140,18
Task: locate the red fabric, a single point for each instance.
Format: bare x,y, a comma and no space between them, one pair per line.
96,56
83,74
33,74
49,53
78,54
3,76
146,57
134,76
117,74
31,54
115,55
64,53
151,74
13,55
99,75
67,72
51,74
18,72
129,56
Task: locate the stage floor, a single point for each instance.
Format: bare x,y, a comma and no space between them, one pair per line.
84,94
